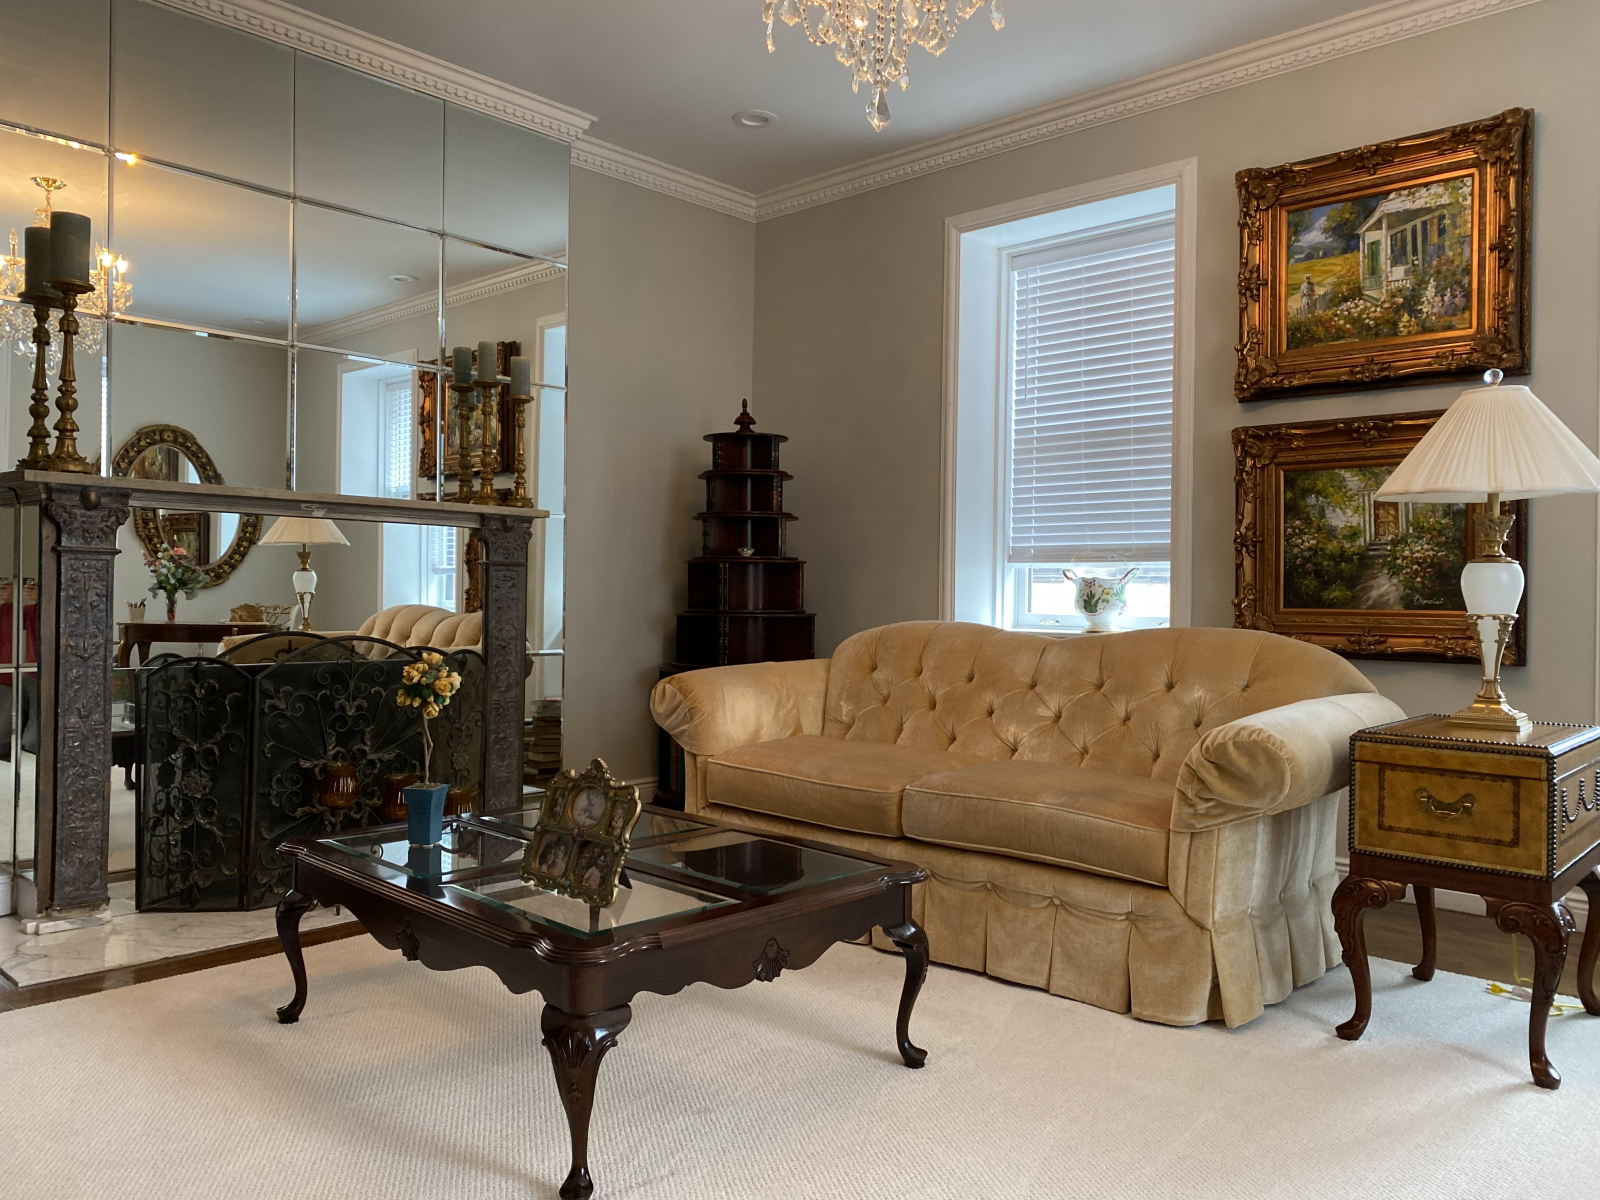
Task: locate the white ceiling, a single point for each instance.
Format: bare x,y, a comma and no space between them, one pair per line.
664,79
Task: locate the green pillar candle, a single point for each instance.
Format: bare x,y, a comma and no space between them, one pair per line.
486,363
461,364
36,248
521,376
69,248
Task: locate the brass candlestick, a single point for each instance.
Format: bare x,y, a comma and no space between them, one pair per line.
65,457
38,457
519,491
488,460
466,400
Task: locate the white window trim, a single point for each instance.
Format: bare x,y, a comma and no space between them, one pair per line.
973,380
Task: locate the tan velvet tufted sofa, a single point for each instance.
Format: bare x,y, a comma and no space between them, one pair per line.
402,624
1142,821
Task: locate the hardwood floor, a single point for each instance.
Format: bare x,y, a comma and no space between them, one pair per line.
12,997
1468,945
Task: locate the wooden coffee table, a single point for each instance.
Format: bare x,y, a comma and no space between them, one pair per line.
702,902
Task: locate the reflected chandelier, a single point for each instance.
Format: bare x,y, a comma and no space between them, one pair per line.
873,37
16,317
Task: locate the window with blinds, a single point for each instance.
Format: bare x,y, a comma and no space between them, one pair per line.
1089,421
398,468
1090,382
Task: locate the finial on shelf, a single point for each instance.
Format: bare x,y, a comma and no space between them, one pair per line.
744,420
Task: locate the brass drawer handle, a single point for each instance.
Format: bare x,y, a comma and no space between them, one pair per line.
1445,812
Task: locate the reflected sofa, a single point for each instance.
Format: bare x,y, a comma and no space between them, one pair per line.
1142,821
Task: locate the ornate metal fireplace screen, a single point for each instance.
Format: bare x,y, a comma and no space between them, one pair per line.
235,757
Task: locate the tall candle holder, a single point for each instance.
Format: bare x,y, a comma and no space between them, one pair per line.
466,401
519,497
488,460
65,457
38,456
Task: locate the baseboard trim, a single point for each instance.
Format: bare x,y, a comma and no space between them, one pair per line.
1466,902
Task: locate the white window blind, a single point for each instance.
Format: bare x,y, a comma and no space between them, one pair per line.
1091,399
398,467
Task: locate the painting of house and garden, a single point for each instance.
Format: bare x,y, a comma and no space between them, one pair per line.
1389,265
1344,549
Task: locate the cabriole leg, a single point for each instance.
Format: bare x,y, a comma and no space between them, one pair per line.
576,1045
1350,903
291,908
911,938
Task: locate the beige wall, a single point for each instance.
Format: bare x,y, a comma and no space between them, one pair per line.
849,312
661,300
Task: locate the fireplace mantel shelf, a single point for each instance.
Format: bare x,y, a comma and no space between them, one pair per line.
23,487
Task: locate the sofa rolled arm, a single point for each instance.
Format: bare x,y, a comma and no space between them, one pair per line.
1274,760
722,708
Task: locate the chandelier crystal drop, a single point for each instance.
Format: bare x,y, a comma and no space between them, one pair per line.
112,293
874,37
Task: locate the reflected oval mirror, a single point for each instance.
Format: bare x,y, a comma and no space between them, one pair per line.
216,541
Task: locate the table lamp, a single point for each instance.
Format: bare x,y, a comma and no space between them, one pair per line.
1494,443
304,532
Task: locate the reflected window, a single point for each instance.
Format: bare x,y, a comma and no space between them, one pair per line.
378,457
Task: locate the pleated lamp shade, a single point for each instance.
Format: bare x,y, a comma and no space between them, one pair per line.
1494,439
304,531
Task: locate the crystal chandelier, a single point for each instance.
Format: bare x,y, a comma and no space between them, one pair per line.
873,37
110,289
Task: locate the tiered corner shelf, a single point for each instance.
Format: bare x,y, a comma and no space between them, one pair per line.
743,607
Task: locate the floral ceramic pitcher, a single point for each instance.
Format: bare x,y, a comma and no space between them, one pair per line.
1100,600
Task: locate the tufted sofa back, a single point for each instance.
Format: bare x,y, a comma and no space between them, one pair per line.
424,625
1132,702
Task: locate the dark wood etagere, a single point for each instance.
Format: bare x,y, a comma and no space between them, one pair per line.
746,592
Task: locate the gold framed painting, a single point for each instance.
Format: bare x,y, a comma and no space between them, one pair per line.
1403,262
1319,558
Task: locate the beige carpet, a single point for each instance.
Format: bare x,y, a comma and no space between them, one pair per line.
400,1082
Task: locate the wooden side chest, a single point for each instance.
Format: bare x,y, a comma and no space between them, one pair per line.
1515,820
1425,790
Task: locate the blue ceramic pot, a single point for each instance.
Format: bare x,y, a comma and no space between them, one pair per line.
425,814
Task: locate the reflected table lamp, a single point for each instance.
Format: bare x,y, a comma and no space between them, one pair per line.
304,532
1494,443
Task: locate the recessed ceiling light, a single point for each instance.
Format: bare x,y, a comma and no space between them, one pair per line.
256,321
754,118
404,278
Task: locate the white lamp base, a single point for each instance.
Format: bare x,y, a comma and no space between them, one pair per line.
1492,589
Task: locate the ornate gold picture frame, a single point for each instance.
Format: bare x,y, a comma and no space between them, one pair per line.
1403,262
579,844
1318,558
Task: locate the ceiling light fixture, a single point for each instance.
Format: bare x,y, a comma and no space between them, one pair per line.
110,288
754,118
873,37
404,278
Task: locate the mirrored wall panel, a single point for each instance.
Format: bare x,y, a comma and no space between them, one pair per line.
201,252
197,93
526,208
286,251
368,145
55,67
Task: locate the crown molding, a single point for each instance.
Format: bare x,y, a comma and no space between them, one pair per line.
1364,30
1327,40
595,155
497,284
291,26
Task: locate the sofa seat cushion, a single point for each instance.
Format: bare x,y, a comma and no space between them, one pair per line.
825,780
1099,821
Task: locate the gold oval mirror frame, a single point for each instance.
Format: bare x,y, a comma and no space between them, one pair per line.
147,522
